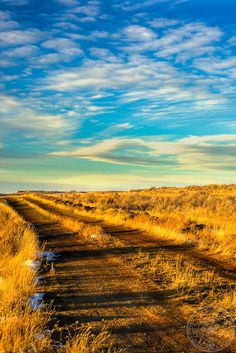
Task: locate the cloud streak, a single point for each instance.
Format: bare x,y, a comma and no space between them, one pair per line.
193,152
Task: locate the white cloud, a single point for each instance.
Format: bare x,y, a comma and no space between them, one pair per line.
138,33
48,59
65,50
186,39
98,75
206,139
9,77
124,126
115,129
19,37
107,151
140,78
89,10
63,45
99,34
215,65
104,54
21,52
192,40
17,118
87,19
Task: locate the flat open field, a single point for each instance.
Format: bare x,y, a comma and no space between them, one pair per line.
135,267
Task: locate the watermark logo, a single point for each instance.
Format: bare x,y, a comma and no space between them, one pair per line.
211,329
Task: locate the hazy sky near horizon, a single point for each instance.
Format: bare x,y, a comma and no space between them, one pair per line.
117,94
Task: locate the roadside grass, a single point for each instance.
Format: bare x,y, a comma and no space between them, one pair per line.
187,283
19,325
85,341
176,273
21,330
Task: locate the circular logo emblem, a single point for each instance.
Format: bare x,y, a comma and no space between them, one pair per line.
211,329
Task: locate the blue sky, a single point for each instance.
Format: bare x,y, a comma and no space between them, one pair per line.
99,95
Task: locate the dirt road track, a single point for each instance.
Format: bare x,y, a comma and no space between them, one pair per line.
93,285
136,240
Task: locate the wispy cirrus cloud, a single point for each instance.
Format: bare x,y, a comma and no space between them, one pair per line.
218,66
139,79
112,151
193,39
193,152
140,5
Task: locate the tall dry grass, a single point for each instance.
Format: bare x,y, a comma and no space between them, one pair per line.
201,215
85,341
19,324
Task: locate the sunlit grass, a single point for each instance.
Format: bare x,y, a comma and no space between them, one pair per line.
203,216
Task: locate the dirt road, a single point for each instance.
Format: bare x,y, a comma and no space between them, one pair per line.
94,285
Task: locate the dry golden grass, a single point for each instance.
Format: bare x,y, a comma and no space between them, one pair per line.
176,272
202,215
87,342
19,325
21,330
88,231
228,302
